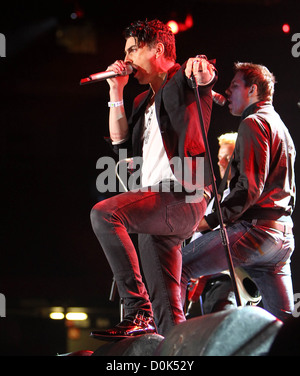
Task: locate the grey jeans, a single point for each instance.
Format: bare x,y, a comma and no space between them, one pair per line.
263,252
147,278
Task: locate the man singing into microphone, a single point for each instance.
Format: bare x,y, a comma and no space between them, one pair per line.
257,211
164,124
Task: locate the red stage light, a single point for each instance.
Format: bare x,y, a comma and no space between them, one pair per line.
189,22
177,27
174,26
286,28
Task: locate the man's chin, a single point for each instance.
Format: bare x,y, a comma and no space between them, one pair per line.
233,113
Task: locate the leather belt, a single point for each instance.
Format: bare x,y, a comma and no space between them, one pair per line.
280,226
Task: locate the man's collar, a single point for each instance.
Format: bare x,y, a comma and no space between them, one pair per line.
253,108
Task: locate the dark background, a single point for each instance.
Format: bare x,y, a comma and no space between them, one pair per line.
52,129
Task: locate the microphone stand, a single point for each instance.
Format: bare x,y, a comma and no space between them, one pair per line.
223,232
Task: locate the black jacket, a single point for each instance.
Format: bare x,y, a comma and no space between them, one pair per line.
262,182
178,120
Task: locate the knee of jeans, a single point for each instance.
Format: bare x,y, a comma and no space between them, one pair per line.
99,216
104,217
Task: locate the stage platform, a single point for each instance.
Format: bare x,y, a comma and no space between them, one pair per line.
243,331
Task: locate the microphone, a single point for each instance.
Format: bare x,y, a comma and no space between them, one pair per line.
218,98
101,76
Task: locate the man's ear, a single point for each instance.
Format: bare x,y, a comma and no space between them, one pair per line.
253,91
160,49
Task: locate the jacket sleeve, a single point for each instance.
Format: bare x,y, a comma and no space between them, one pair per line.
180,105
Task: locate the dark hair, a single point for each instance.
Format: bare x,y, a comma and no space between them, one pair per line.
259,75
151,33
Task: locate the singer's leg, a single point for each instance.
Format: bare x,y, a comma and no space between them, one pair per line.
139,212
161,263
112,221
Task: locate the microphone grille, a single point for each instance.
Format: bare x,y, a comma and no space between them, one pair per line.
218,98
129,68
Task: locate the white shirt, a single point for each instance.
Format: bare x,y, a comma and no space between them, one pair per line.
156,166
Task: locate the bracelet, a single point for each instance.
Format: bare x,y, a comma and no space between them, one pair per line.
116,104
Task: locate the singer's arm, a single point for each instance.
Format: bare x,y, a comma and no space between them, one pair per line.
118,125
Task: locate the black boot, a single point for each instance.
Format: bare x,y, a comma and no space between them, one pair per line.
129,327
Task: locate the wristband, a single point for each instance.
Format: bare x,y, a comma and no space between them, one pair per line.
115,104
